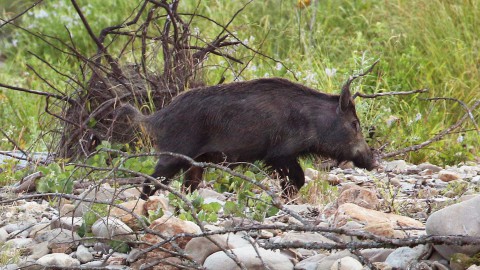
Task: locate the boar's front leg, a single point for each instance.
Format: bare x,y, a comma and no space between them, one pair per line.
291,174
167,167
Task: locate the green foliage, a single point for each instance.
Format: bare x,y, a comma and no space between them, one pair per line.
250,202
9,172
205,212
96,211
319,191
56,178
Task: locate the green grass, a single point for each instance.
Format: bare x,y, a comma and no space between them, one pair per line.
424,43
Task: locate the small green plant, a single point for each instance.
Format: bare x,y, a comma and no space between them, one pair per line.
96,211
205,212
455,188
57,177
10,172
318,191
9,255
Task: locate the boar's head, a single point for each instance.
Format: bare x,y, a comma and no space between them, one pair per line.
345,137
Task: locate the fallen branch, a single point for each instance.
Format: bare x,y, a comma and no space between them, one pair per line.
382,243
28,184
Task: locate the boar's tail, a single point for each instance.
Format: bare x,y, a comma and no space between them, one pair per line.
127,112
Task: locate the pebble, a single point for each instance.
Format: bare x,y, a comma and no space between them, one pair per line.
83,254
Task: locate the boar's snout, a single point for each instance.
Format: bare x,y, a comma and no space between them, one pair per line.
364,158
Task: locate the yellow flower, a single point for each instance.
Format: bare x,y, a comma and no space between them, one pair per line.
303,3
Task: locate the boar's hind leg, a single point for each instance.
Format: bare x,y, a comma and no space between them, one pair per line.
193,177
167,167
291,173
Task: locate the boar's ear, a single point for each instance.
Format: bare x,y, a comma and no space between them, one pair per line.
345,97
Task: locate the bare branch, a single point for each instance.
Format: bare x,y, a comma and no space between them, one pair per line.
101,49
400,93
20,14
40,93
346,86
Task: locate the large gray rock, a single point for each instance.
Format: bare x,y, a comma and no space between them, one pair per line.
112,228
403,257
202,247
58,260
249,257
458,219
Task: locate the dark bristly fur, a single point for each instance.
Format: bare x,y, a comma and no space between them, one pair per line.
273,120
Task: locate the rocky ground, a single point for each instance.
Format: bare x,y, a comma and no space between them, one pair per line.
384,219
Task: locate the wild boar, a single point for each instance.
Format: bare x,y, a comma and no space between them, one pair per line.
273,120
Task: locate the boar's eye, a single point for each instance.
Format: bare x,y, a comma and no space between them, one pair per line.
356,126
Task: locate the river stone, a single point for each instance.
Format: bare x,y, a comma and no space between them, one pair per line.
458,219
302,237
310,263
249,257
447,176
136,206
104,193
57,235
3,235
19,226
376,254
168,226
348,212
58,260
201,247
360,196
112,228
40,228
346,263
69,223
20,242
327,262
38,250
83,255
156,202
403,257
428,166
312,173
396,166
